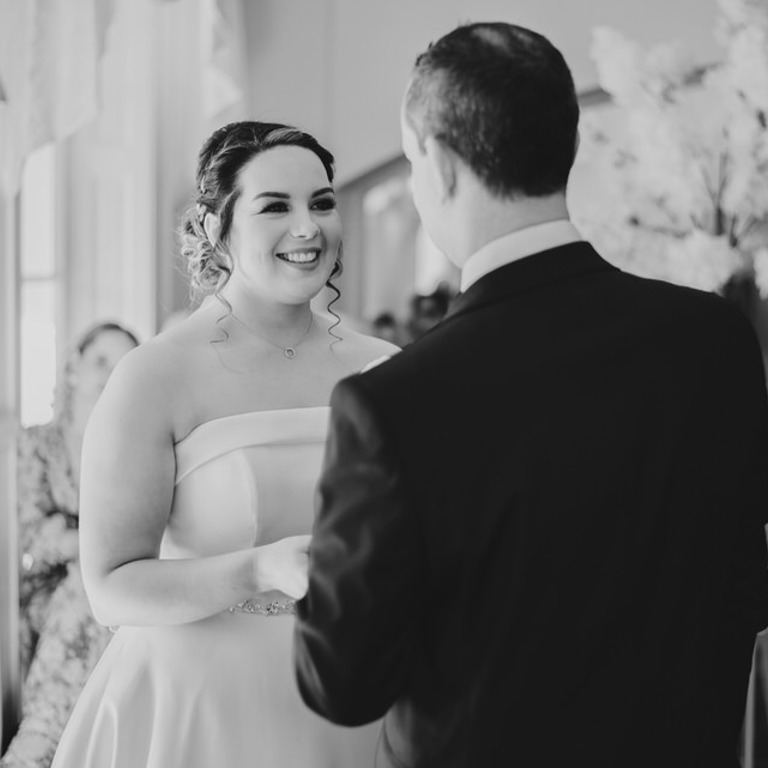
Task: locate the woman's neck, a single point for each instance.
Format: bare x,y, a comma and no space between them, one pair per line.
272,319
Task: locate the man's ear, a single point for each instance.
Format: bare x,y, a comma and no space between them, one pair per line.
212,226
442,162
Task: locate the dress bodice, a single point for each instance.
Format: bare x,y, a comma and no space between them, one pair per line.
240,480
245,480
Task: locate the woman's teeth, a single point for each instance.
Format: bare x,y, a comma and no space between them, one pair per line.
299,257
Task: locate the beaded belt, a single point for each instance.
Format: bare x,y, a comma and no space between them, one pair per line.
274,608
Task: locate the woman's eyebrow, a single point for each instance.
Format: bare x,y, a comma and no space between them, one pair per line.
286,196
281,195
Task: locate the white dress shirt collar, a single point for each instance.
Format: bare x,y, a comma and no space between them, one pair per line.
517,245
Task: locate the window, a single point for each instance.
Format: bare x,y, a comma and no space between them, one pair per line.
40,280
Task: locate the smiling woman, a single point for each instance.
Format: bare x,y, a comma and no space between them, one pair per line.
198,478
284,245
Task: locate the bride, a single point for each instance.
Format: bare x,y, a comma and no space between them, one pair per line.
198,475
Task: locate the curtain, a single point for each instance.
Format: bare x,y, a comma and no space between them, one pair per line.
222,52
49,54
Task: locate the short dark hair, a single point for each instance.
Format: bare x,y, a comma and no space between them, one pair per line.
503,99
221,159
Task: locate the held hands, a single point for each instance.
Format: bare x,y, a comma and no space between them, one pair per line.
283,566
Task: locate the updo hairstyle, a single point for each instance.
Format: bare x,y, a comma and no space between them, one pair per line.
222,157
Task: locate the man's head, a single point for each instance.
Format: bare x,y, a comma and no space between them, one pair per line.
501,99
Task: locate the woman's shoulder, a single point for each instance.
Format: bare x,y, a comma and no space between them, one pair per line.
168,356
151,363
361,349
155,378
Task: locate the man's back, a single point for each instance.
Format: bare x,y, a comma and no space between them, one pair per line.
586,454
539,539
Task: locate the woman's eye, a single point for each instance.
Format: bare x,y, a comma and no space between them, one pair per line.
277,207
325,204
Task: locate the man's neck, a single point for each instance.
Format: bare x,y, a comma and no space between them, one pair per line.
489,219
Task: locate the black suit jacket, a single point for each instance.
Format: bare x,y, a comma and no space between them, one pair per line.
540,532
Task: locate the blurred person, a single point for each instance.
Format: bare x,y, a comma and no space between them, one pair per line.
60,640
540,538
386,326
199,469
426,311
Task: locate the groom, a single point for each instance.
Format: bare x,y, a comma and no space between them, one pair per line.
540,537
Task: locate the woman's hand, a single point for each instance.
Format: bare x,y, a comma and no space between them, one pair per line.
283,566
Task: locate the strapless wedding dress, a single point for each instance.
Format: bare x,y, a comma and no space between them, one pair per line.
221,692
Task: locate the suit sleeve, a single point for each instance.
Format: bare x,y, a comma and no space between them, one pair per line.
356,625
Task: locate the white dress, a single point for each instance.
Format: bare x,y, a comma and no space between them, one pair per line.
221,692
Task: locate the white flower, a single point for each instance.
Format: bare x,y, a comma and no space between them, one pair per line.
681,177
619,65
743,32
736,15
703,261
745,191
632,76
733,13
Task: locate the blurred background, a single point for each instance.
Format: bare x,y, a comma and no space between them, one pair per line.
104,105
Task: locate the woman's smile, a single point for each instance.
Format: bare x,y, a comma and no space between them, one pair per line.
303,257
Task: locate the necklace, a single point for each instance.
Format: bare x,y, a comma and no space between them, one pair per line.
289,352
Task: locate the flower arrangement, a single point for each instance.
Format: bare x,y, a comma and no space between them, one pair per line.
683,157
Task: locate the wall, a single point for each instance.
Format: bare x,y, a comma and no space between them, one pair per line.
338,67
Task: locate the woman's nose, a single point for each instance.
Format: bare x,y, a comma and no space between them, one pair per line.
305,227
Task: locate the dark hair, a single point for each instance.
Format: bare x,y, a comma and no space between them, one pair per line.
503,99
90,336
222,157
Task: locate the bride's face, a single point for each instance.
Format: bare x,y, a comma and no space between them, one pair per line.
286,231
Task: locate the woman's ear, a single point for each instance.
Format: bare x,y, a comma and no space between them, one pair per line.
442,163
212,227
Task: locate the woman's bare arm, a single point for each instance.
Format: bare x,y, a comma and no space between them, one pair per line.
128,470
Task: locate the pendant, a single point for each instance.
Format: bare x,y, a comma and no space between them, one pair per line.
289,352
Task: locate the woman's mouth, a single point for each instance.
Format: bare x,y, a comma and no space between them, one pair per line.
302,256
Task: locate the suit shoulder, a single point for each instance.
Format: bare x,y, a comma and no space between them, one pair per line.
421,363
680,301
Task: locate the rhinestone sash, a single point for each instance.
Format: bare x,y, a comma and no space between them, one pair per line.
274,608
